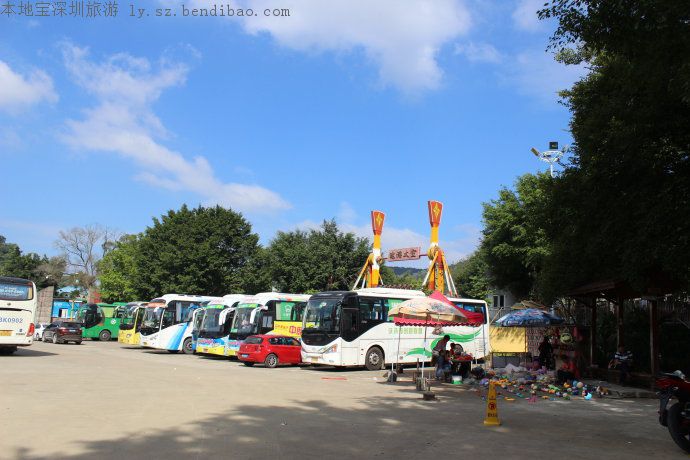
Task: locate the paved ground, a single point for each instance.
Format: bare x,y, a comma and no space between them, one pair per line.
99,400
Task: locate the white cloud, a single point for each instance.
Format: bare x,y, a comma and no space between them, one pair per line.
124,123
19,92
402,39
538,75
479,52
525,15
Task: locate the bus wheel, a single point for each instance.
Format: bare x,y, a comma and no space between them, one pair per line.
104,336
187,346
374,360
271,361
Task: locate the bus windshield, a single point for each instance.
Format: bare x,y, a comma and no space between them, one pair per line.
152,317
323,315
210,324
242,324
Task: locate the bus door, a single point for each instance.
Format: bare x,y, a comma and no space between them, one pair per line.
350,327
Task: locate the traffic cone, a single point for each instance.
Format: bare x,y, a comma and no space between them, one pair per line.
491,407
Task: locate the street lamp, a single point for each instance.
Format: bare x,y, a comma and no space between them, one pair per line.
551,156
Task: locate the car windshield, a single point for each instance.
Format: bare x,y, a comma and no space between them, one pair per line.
254,340
242,324
77,325
323,315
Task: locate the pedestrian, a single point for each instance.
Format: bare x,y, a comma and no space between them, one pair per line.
622,361
545,353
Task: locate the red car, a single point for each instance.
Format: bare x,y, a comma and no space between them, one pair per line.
270,350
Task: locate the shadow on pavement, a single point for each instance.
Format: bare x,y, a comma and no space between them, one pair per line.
29,353
400,427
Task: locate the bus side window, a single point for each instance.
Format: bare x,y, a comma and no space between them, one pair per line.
372,312
297,311
168,318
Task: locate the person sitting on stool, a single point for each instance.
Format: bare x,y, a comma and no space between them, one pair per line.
622,361
566,372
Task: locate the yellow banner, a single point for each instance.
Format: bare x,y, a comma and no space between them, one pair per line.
291,328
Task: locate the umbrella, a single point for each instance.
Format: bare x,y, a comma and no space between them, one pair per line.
529,317
427,311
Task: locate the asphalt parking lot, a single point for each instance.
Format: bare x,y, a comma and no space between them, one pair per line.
100,400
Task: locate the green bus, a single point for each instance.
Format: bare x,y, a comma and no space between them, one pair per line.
101,321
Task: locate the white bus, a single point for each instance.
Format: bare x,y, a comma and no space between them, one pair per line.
266,313
168,321
212,325
352,328
18,303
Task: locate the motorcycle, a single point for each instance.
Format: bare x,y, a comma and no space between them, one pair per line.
676,417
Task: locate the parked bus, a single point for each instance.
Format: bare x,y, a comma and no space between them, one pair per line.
168,322
352,328
212,325
18,303
131,324
266,313
101,321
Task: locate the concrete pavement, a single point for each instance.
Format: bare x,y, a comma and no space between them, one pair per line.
100,400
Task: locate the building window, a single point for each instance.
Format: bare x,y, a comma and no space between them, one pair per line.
499,301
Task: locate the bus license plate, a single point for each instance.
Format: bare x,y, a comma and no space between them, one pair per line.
5,333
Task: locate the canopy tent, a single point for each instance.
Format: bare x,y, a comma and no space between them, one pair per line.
432,311
528,318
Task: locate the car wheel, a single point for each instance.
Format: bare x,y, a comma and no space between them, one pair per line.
104,336
187,346
374,359
248,363
271,361
44,337
55,339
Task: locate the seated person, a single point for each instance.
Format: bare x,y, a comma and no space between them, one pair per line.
567,371
442,365
622,361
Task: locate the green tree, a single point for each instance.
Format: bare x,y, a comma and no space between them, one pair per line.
40,269
624,201
471,276
118,271
514,243
317,260
195,251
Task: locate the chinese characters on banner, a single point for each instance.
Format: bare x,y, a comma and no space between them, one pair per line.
397,255
80,9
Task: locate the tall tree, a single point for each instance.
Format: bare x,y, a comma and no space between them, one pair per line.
83,248
514,242
624,202
471,276
118,271
195,251
317,260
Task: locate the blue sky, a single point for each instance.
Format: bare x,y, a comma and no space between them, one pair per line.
343,107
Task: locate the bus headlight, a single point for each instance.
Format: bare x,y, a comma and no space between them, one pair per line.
331,349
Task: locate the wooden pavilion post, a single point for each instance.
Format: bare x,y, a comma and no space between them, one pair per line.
593,333
620,339
654,336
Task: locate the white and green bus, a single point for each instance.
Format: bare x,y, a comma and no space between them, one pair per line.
352,328
18,303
